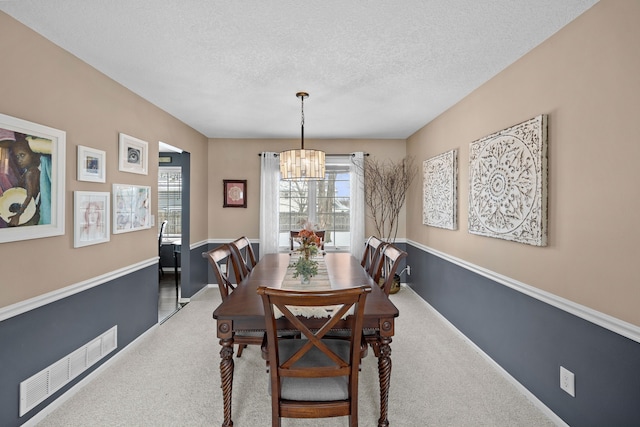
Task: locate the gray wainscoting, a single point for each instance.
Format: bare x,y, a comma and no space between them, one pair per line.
35,339
531,339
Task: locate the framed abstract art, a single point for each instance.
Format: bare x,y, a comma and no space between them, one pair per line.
92,164
131,208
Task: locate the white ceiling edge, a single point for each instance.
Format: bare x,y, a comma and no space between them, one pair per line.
231,69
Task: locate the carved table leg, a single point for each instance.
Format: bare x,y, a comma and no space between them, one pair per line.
384,371
226,370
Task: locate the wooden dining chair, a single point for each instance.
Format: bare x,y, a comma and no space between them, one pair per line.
316,377
389,261
371,260
224,255
243,245
240,269
160,238
383,270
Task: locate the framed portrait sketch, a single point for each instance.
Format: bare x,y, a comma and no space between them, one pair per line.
32,178
90,218
91,164
235,193
131,208
133,155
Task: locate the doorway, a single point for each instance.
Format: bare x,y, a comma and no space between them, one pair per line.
173,207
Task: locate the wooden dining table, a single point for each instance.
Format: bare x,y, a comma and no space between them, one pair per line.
243,311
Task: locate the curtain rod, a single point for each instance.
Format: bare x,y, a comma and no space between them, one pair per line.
326,155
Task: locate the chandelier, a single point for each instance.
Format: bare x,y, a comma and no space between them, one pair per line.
302,164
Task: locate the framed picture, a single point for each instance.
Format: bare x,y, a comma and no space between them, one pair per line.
508,183
91,164
90,218
133,155
439,185
131,208
32,178
235,193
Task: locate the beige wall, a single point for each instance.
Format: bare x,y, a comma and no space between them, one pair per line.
92,109
238,159
587,79
43,84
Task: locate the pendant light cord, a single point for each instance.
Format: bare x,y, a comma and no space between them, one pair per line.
302,121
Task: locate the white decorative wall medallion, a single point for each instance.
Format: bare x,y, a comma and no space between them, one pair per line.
439,190
508,184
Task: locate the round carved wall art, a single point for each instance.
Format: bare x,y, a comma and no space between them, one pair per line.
508,184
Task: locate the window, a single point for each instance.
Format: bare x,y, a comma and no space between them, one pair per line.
170,199
325,203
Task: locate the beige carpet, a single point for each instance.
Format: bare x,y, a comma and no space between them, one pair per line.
170,377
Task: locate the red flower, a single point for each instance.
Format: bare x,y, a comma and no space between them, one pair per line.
306,233
308,238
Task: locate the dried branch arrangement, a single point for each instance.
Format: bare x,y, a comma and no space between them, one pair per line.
386,184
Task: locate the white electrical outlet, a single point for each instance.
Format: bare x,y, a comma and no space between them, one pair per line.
408,270
567,381
223,268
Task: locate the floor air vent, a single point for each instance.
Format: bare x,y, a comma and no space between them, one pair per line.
46,382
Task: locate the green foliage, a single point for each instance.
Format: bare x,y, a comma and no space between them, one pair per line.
305,267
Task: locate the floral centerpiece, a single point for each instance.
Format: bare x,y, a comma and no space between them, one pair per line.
304,266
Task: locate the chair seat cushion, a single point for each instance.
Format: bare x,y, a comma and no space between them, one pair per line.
347,332
318,389
250,333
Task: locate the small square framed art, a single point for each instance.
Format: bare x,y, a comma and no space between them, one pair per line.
234,193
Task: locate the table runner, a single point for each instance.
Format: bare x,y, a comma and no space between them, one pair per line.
318,282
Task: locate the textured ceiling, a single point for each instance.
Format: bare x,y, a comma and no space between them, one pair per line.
231,69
